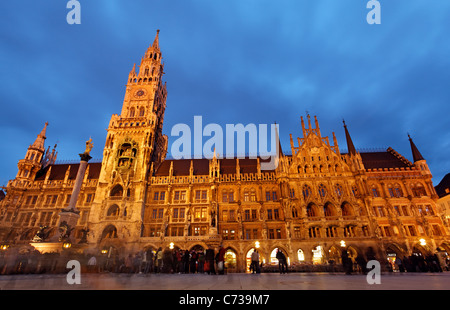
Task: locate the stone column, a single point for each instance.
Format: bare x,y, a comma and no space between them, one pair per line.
78,182
68,217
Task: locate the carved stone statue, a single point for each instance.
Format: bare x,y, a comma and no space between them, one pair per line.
84,232
213,218
65,231
41,234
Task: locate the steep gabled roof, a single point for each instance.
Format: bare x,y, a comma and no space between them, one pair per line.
443,185
58,171
415,151
388,159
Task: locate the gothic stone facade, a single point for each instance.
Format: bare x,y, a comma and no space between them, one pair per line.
315,202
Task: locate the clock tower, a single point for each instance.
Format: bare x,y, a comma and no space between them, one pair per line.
134,145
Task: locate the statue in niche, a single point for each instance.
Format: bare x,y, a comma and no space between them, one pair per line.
126,154
213,218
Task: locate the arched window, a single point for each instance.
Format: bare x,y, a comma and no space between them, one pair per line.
347,209
306,192
339,190
117,191
300,255
322,190
132,112
294,212
273,255
141,111
375,192
109,232
355,191
252,195
398,190
246,195
291,192
317,255
113,211
418,190
329,210
311,210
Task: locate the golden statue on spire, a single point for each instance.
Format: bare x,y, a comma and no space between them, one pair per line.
89,146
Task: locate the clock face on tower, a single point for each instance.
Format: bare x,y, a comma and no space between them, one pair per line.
139,93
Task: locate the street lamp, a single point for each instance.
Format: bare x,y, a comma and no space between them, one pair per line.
422,242
171,245
342,244
67,245
257,245
4,247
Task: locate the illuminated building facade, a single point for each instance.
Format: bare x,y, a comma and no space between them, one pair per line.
317,202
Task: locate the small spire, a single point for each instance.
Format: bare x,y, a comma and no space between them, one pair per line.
303,127
153,49
39,142
156,41
415,151
350,146
171,169
133,71
316,122
277,137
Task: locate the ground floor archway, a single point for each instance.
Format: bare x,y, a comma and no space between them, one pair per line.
318,255
248,258
231,260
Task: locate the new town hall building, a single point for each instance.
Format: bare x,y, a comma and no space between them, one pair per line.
315,203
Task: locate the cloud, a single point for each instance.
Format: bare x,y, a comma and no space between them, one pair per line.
252,61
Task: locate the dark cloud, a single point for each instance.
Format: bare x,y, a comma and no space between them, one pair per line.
253,61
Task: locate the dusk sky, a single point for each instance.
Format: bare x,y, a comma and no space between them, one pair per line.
234,61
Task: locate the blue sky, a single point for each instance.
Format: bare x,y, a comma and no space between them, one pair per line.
234,61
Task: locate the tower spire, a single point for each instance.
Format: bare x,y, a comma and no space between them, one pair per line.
415,151
156,41
39,142
277,139
154,48
350,147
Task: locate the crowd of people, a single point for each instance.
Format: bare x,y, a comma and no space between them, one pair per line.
418,263
413,263
209,261
168,261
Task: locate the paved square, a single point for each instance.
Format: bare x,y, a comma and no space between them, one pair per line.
237,281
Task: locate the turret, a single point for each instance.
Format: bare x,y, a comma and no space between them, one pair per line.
32,163
419,161
355,157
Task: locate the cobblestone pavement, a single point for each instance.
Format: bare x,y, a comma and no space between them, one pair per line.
292,281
